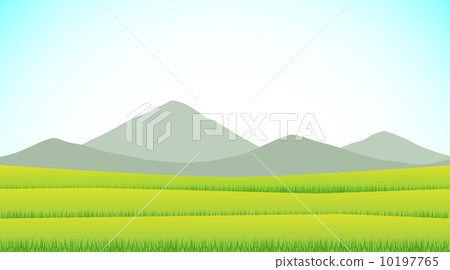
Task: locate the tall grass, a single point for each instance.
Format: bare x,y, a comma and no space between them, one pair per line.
246,212
269,245
275,188
387,180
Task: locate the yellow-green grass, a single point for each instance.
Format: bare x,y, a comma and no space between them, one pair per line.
227,233
391,210
100,202
385,180
269,245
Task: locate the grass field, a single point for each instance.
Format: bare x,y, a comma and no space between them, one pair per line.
63,210
50,203
283,230
268,245
388,180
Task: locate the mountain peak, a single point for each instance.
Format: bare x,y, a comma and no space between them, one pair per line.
288,138
180,145
385,134
176,106
292,137
388,146
54,141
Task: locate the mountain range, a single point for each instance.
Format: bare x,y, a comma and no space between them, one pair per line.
220,156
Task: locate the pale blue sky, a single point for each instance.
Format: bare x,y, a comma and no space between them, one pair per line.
69,70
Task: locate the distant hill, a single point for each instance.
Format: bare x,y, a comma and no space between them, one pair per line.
59,154
291,156
180,146
388,146
442,163
220,156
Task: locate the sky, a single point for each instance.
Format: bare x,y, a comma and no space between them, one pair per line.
70,70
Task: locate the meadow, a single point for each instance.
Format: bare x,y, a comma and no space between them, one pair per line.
101,202
64,210
384,180
280,230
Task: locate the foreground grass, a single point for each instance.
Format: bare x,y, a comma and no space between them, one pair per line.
387,180
96,202
269,245
132,213
226,233
225,228
40,210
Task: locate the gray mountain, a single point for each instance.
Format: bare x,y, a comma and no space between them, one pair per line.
442,163
388,146
218,155
179,146
294,155
59,154
283,157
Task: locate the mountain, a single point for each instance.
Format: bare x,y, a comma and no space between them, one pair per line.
442,163
284,156
294,155
388,146
179,146
217,154
59,154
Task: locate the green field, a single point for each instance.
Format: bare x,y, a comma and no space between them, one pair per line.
264,233
50,203
388,180
64,210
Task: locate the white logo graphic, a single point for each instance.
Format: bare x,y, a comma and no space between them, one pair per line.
141,123
306,127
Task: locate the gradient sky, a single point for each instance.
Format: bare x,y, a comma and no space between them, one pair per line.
69,70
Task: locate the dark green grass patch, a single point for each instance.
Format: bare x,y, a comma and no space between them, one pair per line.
151,213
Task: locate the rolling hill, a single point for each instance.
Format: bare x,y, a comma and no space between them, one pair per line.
293,155
442,163
283,157
217,154
59,154
388,146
